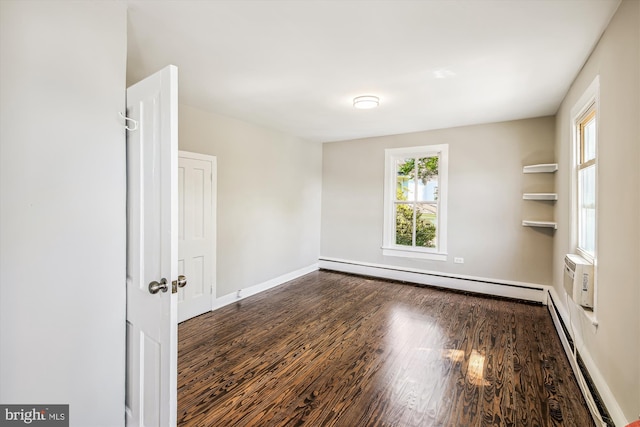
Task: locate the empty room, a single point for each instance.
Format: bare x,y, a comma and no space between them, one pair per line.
320,213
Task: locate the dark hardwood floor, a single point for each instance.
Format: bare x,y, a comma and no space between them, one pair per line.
330,349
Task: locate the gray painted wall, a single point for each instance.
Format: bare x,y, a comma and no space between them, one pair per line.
485,200
62,216
62,186
615,344
269,187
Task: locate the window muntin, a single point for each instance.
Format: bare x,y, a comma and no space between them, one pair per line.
415,202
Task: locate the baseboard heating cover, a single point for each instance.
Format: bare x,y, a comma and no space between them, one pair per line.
487,286
589,390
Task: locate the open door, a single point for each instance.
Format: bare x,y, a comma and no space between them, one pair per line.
152,250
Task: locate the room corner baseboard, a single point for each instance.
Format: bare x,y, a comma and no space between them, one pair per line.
559,314
481,285
261,287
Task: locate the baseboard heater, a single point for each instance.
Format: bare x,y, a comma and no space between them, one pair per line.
569,348
477,285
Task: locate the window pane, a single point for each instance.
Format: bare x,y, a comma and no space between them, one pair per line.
404,224
587,209
426,223
428,191
405,183
427,179
589,140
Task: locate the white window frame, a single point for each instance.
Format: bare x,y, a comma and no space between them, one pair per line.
589,100
389,247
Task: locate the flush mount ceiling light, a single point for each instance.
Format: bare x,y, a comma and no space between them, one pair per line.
366,102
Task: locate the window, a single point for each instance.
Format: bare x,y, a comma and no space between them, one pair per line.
415,202
585,149
586,169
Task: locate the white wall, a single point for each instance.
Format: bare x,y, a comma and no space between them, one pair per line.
269,189
62,215
615,345
485,208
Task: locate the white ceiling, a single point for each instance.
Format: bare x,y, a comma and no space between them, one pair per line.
295,66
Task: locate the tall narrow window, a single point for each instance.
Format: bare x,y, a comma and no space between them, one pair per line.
415,202
586,179
584,189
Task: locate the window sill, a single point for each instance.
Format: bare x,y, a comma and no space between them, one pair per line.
587,256
413,253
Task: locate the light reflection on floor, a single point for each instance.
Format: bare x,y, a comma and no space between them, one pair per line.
419,356
416,374
475,364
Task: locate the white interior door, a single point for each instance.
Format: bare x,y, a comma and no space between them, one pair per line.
196,233
152,251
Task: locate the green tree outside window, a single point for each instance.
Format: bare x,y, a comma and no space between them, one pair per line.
426,169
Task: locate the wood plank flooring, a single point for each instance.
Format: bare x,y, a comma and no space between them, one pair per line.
330,349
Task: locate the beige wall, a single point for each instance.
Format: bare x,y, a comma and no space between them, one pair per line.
485,200
269,187
62,219
615,345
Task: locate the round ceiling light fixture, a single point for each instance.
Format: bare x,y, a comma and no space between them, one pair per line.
366,102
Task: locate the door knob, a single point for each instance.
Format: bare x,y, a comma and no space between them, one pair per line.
180,283
154,286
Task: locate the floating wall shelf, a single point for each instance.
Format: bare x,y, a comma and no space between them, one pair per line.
540,196
541,168
543,224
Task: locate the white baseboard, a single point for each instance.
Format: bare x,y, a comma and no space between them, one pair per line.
261,287
601,385
502,288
